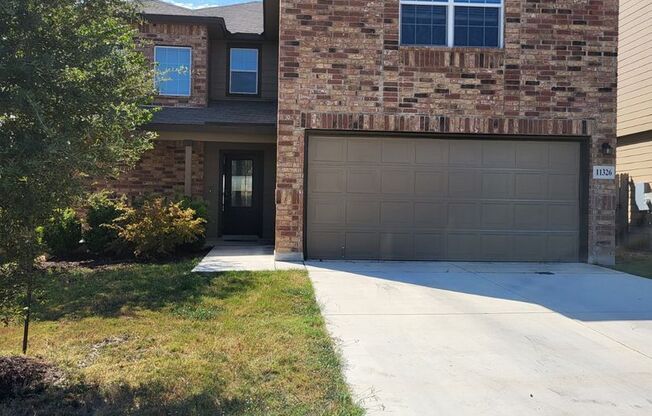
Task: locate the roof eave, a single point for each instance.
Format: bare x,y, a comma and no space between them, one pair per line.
204,20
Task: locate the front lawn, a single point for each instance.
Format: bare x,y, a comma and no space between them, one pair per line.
634,262
156,339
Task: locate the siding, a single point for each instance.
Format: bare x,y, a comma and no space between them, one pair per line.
636,160
268,77
635,67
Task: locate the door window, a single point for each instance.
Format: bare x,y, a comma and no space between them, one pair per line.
242,182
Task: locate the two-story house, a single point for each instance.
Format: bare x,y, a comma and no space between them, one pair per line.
394,129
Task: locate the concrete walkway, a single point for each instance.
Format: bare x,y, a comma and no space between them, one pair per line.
242,257
438,338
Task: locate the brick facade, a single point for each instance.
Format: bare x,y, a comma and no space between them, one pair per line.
190,35
161,171
341,68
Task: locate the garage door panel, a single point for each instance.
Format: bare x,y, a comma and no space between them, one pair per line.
463,184
395,181
530,216
531,247
562,247
463,215
431,152
564,157
465,153
462,246
530,185
326,244
397,213
327,211
428,246
496,154
562,216
497,216
562,187
361,245
434,199
496,246
327,179
396,246
363,180
431,183
363,212
497,185
363,151
327,150
532,155
401,151
430,214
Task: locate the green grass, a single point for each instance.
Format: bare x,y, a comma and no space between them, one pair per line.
157,339
634,262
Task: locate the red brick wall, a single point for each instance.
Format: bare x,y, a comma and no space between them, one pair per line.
341,67
190,35
161,171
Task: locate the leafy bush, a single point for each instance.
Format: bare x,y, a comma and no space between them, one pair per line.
158,228
62,233
201,212
102,237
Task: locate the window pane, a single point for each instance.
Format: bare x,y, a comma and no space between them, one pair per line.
173,70
423,25
408,13
242,183
244,59
476,26
244,82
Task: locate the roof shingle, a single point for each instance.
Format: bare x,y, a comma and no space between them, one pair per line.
239,18
224,112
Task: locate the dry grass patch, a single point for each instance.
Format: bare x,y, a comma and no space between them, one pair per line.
157,339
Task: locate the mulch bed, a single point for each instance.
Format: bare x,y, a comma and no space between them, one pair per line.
21,376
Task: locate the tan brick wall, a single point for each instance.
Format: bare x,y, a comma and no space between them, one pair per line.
161,171
189,35
340,67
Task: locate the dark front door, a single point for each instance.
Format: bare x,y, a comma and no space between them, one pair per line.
241,193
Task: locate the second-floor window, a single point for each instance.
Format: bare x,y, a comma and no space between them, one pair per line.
243,71
452,22
173,70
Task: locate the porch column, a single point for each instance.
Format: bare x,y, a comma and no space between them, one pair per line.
187,179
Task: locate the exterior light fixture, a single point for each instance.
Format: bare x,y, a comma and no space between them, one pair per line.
606,149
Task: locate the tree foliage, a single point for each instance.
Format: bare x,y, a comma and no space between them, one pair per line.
73,90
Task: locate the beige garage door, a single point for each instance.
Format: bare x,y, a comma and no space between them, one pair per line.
421,198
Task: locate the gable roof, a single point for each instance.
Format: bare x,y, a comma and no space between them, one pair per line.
239,18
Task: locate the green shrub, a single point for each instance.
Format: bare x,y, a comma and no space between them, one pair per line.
62,233
101,236
157,229
201,212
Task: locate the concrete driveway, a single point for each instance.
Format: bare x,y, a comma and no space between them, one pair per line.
437,338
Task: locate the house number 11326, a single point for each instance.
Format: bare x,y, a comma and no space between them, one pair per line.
604,172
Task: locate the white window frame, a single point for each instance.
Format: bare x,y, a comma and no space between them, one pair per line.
244,70
156,48
450,20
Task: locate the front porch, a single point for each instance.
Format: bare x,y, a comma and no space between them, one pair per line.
228,256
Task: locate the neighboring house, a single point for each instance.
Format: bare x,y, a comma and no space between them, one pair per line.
634,156
443,130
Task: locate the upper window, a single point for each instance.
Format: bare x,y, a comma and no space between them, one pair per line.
243,71
173,70
452,22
